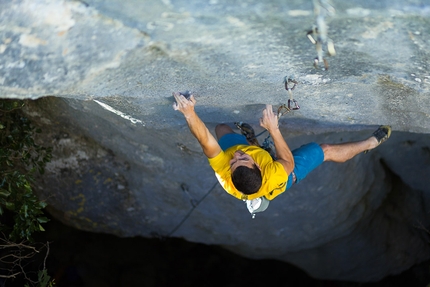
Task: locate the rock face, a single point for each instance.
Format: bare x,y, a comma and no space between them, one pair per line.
125,163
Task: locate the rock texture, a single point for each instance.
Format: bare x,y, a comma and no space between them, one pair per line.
126,164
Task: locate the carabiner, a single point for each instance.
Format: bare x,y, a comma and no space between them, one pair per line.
288,80
281,111
293,105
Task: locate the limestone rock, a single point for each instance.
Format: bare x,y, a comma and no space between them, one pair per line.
104,71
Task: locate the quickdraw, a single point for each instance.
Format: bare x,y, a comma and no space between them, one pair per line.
292,104
318,34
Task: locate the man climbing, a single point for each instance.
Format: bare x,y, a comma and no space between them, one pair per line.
248,172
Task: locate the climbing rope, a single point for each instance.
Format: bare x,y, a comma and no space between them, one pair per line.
194,205
318,34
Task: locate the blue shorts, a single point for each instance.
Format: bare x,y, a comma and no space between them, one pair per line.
306,158
229,140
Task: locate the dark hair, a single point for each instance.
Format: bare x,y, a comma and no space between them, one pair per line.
247,180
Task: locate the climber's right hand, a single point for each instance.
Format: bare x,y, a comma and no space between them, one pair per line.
184,105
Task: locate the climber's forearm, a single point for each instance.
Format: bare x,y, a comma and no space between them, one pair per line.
283,152
208,142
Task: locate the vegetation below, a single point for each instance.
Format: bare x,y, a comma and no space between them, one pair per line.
20,209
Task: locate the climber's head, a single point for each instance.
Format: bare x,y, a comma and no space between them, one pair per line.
245,173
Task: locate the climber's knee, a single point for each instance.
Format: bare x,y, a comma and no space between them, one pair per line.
327,151
222,129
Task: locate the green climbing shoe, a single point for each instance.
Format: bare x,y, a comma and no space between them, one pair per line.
382,134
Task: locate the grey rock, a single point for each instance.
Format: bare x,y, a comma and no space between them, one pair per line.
103,73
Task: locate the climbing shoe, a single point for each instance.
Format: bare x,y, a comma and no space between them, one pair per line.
381,135
248,132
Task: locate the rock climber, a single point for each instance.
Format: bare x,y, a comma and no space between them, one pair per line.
249,172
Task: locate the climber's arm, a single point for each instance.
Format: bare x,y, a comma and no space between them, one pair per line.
208,142
269,121
283,152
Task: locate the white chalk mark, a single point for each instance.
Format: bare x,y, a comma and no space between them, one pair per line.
119,113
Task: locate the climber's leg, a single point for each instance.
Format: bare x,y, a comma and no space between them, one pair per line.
228,138
345,151
223,129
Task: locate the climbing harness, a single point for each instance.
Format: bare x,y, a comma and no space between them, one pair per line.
260,204
318,34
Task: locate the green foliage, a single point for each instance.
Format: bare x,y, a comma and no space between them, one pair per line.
20,158
44,280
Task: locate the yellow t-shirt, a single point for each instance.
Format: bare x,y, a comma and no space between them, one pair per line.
274,176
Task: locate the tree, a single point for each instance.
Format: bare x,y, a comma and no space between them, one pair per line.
20,159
